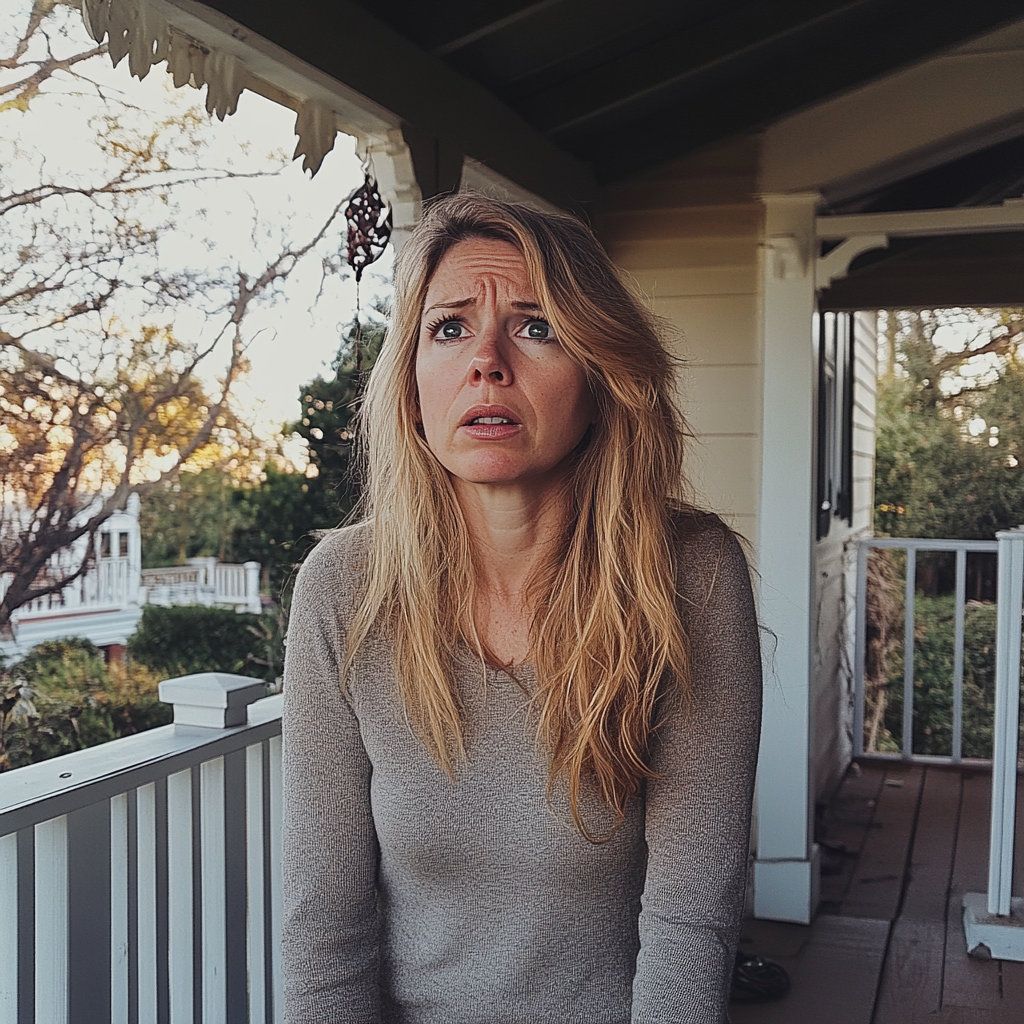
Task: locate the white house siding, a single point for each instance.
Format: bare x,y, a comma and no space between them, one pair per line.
831,702
690,234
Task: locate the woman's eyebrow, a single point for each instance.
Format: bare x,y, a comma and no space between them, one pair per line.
529,307
453,304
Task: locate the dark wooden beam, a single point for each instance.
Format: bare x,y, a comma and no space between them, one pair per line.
443,109
782,75
668,60
442,29
968,270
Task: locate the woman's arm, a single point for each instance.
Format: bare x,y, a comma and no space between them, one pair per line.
330,939
698,808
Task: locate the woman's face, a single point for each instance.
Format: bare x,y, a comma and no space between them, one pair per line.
500,400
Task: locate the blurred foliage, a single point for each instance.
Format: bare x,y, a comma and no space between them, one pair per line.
185,639
328,406
275,521
196,515
950,425
62,697
934,642
105,328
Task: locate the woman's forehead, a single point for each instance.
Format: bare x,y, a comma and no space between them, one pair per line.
478,264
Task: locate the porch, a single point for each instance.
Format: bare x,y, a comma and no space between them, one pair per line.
147,874
901,844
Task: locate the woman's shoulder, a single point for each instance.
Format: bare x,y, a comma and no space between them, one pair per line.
338,560
697,532
708,553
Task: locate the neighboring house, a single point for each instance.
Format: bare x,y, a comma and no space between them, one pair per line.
763,170
104,604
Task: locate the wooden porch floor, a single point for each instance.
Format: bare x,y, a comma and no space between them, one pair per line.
901,844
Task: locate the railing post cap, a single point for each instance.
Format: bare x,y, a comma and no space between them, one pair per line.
215,700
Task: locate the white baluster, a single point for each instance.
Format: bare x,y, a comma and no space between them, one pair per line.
51,864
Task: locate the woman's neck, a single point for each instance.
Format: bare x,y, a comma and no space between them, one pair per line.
513,532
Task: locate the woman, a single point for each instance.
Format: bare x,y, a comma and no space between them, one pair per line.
522,696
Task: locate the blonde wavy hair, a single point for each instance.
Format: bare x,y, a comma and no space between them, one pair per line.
606,633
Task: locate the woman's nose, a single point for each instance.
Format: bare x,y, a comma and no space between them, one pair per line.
489,362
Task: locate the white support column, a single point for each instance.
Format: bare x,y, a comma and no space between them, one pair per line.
786,868
133,509
997,922
253,604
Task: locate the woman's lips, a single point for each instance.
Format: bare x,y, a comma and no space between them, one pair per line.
489,423
490,431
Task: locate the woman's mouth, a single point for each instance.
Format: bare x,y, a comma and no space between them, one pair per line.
489,423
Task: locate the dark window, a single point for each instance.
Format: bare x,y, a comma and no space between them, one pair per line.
104,545
122,544
835,419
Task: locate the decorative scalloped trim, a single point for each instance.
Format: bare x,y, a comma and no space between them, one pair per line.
134,30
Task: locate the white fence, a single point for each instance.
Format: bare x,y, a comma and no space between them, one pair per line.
204,581
994,919
960,548
147,874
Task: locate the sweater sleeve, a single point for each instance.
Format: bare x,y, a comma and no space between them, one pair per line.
698,807
330,934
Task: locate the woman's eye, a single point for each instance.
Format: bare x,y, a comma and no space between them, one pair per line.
539,330
450,330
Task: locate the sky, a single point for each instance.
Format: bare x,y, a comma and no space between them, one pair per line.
295,339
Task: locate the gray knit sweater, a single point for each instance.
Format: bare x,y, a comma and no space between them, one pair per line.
410,898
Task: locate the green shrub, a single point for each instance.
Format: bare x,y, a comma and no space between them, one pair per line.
185,639
934,640
62,697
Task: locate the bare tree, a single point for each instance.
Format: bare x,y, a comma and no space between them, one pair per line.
99,386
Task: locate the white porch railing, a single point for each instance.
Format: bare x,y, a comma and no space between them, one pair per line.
112,581
141,878
912,547
996,919
205,581
107,585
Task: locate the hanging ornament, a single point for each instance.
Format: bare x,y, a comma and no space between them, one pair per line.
369,226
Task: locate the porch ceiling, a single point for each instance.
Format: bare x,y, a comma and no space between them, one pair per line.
613,85
962,270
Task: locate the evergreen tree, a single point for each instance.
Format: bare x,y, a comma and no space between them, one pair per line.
950,427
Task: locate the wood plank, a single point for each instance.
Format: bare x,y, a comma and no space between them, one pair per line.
931,862
878,878
1018,847
675,253
723,399
968,982
834,971
1012,972
846,824
911,985
968,1015
743,219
